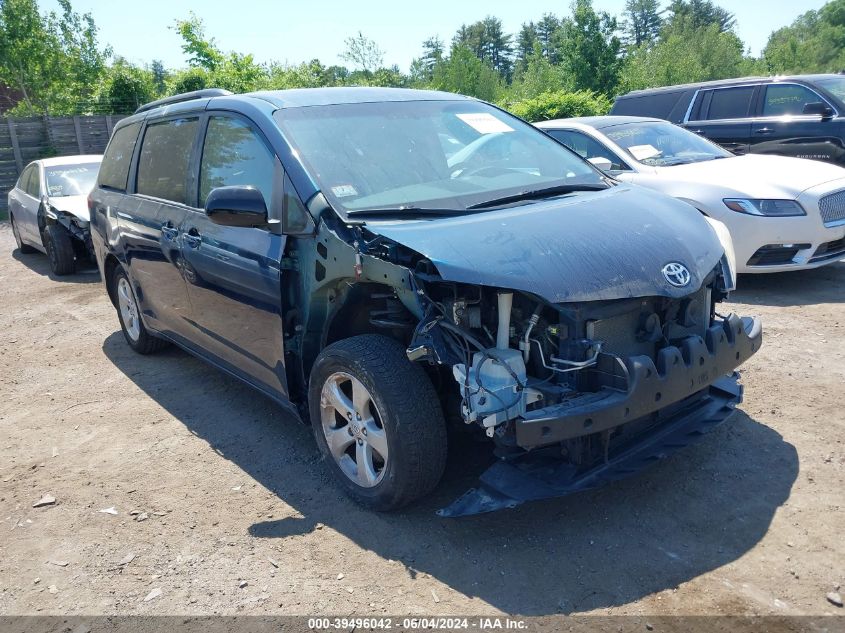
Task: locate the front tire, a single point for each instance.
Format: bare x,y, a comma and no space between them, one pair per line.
134,330
59,246
24,249
377,421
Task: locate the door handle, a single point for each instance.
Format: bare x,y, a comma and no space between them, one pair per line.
697,131
764,130
169,231
192,238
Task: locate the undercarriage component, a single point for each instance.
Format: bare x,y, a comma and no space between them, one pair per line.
535,476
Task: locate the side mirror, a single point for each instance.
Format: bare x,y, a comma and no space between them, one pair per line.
601,162
818,108
236,206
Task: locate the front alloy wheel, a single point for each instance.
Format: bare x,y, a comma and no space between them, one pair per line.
377,421
353,429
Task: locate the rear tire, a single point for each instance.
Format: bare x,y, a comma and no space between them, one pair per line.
129,314
366,383
23,248
59,246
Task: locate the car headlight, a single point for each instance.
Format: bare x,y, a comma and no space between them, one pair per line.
728,261
768,208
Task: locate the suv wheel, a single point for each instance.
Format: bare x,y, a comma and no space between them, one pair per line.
134,330
23,248
59,246
377,421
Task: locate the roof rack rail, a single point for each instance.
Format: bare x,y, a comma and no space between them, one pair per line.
185,96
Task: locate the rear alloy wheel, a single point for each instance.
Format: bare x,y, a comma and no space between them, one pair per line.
134,330
377,421
23,248
59,246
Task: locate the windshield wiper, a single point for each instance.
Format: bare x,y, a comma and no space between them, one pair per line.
404,211
533,194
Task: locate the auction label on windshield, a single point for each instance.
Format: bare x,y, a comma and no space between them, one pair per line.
484,122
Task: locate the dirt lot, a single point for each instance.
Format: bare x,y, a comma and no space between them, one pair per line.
748,521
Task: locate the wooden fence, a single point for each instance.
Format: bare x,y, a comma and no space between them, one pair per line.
25,139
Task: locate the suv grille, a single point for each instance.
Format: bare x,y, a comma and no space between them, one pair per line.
833,208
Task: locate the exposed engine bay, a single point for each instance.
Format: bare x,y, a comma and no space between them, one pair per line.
576,382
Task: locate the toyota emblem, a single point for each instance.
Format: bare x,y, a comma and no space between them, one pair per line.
676,274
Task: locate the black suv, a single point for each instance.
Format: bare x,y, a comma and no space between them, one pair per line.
801,116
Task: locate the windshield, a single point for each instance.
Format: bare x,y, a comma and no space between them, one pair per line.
71,180
447,155
661,144
834,85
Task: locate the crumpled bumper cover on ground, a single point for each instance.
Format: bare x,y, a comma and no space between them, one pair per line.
703,364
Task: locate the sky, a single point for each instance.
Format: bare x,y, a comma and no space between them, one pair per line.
296,31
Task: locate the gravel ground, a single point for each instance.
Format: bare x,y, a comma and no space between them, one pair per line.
218,503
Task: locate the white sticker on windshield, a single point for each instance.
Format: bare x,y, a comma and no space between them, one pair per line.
344,191
484,122
642,152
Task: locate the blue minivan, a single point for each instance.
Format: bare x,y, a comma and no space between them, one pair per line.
395,264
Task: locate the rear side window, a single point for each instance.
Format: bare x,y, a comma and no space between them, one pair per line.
23,181
659,104
165,154
235,155
587,147
115,167
787,99
33,185
730,103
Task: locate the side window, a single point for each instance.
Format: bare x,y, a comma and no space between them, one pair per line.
234,154
114,169
33,186
730,103
23,181
587,147
165,154
788,99
296,218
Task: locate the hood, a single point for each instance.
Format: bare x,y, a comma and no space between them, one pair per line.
757,176
75,205
610,244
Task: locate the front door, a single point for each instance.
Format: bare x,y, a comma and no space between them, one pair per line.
783,129
150,221
234,273
23,207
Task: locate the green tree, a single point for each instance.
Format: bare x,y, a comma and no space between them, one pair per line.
363,53
686,56
463,72
53,60
814,42
233,71
641,23
695,14
159,76
201,52
539,76
125,87
489,42
589,48
422,67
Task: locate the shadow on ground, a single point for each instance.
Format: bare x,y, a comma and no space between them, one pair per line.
794,288
37,262
689,515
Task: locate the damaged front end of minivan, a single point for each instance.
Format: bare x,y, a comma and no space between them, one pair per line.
584,346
